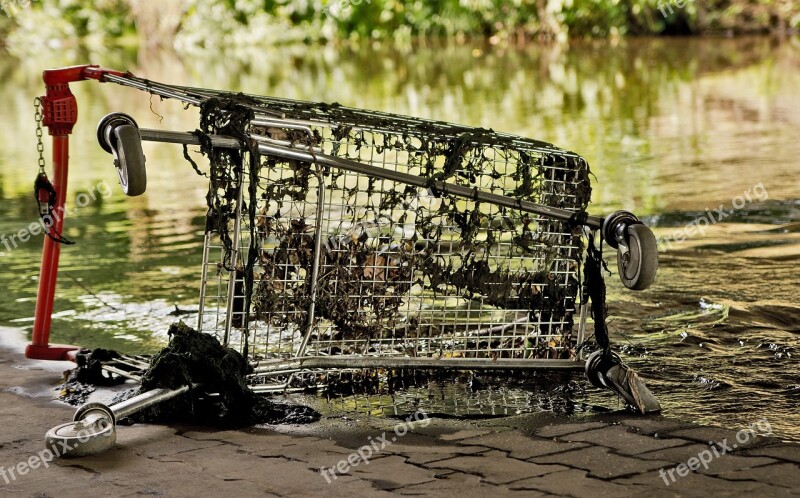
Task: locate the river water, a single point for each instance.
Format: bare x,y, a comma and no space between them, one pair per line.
672,128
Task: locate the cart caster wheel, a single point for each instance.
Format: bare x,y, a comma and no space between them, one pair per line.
638,262
591,369
595,368
93,433
613,223
118,134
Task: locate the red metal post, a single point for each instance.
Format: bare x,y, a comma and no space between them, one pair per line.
39,348
60,113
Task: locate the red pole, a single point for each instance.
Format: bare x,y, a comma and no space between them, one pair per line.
60,113
40,347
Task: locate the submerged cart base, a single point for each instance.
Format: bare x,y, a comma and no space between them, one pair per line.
339,238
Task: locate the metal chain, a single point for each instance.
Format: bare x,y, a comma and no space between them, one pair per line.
37,105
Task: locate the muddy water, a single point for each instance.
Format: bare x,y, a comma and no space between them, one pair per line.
673,129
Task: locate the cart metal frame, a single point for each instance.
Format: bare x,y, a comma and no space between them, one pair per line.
352,162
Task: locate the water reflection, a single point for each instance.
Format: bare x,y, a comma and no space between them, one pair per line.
670,127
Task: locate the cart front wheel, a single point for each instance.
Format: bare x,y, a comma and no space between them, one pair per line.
130,161
592,369
119,135
638,264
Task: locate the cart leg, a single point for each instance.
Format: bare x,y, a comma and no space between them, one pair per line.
93,429
40,347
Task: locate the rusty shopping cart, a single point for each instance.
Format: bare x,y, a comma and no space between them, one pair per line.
339,238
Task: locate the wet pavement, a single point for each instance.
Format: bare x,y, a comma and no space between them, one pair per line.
616,454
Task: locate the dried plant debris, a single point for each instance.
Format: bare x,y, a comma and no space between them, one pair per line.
223,398
79,383
359,289
74,393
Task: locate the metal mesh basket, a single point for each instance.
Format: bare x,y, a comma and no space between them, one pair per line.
353,270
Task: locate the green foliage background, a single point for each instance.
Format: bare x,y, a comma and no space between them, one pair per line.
202,24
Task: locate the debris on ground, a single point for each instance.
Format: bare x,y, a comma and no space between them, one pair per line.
80,382
74,393
223,398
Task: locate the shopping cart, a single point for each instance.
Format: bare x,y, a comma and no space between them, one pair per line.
340,239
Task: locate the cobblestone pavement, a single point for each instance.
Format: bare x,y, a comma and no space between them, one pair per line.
527,455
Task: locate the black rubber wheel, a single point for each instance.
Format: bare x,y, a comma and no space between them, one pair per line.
104,137
129,160
592,369
596,366
637,267
612,221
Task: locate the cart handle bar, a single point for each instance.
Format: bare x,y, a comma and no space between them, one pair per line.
288,152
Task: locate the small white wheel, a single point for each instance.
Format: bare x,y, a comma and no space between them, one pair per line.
94,433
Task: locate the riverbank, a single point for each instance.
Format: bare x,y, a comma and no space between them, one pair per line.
614,454
193,26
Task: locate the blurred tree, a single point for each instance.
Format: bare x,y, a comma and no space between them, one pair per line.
204,24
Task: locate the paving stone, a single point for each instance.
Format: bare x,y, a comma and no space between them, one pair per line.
316,453
420,448
426,458
122,461
562,429
649,426
779,451
653,485
435,429
391,473
464,434
495,467
200,485
622,440
786,475
285,477
570,482
325,456
160,441
599,462
464,485
718,435
522,446
716,465
430,453
152,460
242,437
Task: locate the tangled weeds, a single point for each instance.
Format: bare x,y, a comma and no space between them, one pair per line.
222,398
79,383
353,277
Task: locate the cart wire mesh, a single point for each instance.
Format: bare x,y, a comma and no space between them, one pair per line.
309,268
